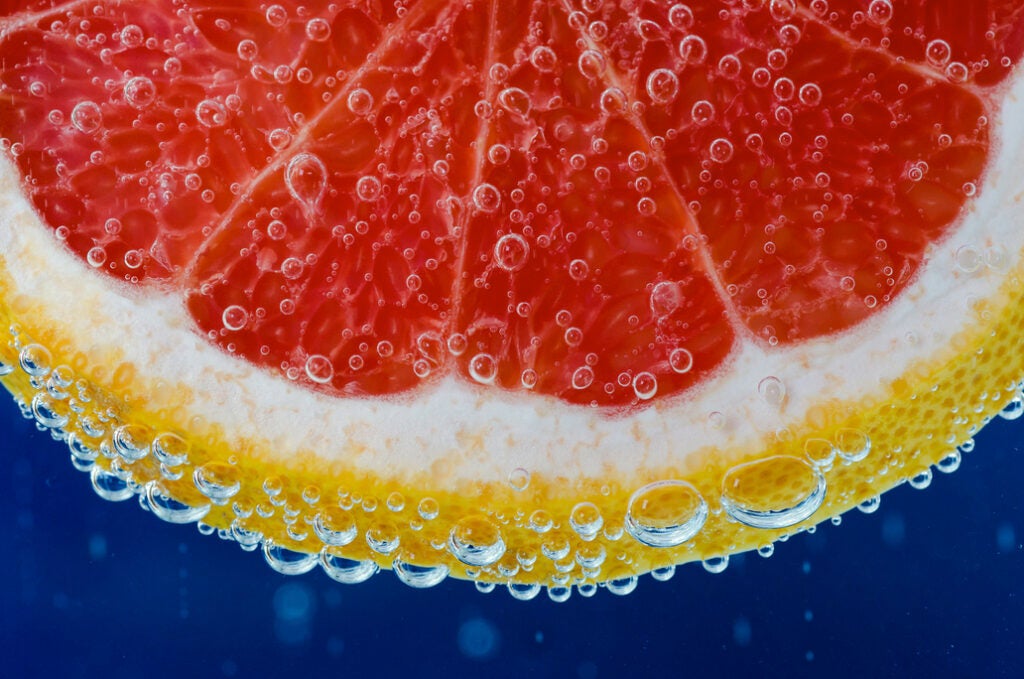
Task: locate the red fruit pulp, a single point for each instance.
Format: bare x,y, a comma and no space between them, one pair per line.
590,200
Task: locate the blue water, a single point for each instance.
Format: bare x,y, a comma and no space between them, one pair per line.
929,586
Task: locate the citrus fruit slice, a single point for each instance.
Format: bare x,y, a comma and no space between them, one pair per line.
534,293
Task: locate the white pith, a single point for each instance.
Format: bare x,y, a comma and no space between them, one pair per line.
457,432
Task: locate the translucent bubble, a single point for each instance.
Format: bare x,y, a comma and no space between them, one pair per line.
217,481
277,16
721,150
211,113
957,72
486,198
772,391
645,386
591,64
292,267
498,154
368,188
680,16
938,53
234,317
279,139
810,94
483,368
96,256
703,112
544,59
880,12
476,541
578,270
511,252
662,86
751,492
139,92
693,49
306,179
582,377
529,378
519,479
613,100
247,50
318,30
86,117
665,513
680,360
319,368
514,100
345,570
782,10
586,520
666,297
359,101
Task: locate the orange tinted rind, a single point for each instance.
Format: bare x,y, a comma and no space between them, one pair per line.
916,423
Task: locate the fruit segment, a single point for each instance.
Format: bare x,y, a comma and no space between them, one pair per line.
596,201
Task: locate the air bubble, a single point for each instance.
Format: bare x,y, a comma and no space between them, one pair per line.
880,12
680,360
938,53
693,50
852,445
645,386
359,101
721,150
35,360
86,117
132,442
345,570
662,86
511,252
772,391
518,479
666,513
211,113
483,368
139,92
578,270
666,297
368,188
582,377
514,100
703,112
288,561
544,59
774,492
318,30
420,577
476,541
319,369
306,179
586,520
218,481
486,198
234,317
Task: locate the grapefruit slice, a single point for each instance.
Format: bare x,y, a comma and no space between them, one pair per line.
545,294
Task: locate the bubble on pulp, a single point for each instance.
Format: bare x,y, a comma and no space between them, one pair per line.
483,368
86,117
662,86
745,498
218,481
486,198
359,101
665,513
721,150
139,92
368,188
514,100
476,541
544,59
306,179
211,113
645,386
578,270
591,64
511,252
680,360
938,53
318,30
703,112
666,297
582,377
234,317
319,369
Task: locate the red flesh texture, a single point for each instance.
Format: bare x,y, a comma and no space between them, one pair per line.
426,70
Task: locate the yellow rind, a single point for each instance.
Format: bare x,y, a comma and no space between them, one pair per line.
912,422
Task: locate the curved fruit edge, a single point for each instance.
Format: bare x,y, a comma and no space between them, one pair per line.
277,506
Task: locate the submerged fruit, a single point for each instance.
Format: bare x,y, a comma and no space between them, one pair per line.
525,292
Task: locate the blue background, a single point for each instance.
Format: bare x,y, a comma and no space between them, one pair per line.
930,585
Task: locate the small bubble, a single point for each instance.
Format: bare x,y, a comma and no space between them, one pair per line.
703,112
938,53
880,12
578,270
511,252
318,30
645,386
139,92
582,377
234,317
319,368
772,391
721,150
277,16
544,59
662,86
86,117
514,100
666,297
483,368
486,198
359,101
693,49
680,360
306,179
368,189
211,113
519,479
